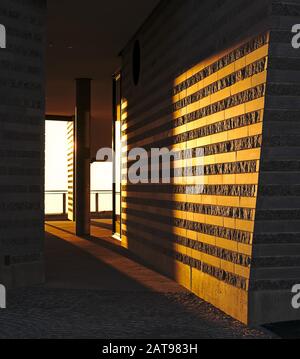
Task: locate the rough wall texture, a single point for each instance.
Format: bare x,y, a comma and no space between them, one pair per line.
276,246
227,84
22,142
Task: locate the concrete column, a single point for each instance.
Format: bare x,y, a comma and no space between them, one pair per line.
82,156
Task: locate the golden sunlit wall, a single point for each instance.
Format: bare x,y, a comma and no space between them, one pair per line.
218,106
71,168
218,82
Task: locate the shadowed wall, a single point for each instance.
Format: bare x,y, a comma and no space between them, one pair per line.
22,143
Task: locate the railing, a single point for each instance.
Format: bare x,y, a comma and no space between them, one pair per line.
56,202
101,201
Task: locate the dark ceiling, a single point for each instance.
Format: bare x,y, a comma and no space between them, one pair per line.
84,39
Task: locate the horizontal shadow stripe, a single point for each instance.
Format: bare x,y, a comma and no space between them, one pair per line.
214,190
246,143
212,230
171,239
218,127
211,210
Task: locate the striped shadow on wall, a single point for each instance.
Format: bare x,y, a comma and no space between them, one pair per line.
204,240
71,158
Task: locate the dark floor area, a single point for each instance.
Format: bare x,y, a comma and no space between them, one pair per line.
93,314
94,290
289,330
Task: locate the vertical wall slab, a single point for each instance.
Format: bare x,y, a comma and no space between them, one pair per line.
217,81
22,121
206,234
276,246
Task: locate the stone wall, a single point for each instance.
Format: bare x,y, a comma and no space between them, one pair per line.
22,142
276,246
217,80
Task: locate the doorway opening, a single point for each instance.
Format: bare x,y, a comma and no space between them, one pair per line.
56,169
59,176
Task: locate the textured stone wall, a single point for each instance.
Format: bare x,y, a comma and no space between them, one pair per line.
276,246
218,82
22,142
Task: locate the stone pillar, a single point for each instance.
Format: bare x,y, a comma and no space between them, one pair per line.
82,156
22,128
